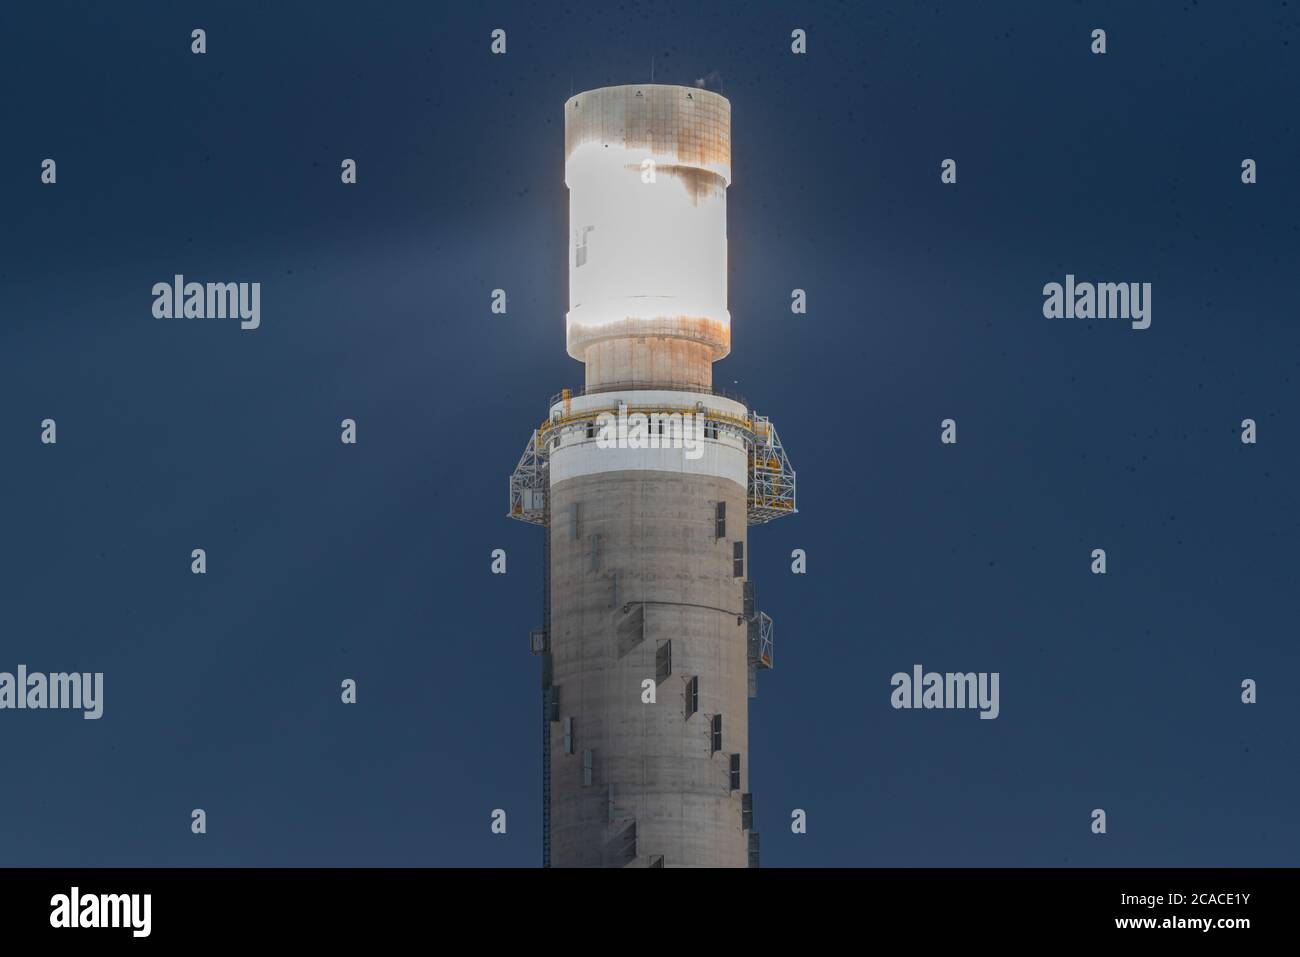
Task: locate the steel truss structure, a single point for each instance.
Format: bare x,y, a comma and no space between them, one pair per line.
771,485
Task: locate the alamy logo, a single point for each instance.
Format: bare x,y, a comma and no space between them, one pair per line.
950,690
59,690
179,299
102,910
655,430
1103,300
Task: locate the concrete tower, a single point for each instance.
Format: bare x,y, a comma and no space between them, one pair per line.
646,482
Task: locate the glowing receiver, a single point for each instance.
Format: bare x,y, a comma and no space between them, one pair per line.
648,169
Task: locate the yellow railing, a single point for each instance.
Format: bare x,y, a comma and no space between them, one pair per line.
591,414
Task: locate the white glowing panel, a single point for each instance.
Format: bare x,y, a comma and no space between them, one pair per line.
653,250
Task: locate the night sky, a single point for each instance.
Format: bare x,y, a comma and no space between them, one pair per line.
328,561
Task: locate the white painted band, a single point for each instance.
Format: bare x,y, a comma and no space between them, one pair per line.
717,457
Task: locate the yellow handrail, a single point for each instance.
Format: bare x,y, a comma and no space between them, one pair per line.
590,414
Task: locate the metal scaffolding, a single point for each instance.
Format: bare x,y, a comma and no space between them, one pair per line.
771,480
771,477
760,636
529,484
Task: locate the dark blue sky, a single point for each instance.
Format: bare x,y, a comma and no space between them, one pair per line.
371,562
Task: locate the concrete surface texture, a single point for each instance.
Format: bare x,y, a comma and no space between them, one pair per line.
646,536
